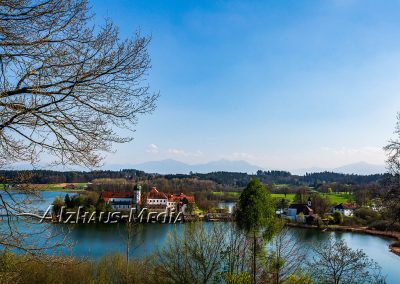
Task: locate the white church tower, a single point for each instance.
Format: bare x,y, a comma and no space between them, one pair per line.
309,202
137,191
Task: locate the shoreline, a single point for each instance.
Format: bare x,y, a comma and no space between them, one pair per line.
394,247
48,190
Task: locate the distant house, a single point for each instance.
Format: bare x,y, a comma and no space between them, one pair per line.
69,186
119,200
156,199
122,200
346,209
179,201
299,212
159,200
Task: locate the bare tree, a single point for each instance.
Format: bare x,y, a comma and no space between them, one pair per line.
194,256
237,256
334,262
285,258
131,234
66,87
393,150
392,196
28,236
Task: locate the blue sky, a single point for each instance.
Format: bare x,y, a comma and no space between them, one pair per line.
280,84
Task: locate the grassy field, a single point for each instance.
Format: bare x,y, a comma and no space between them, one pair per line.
280,185
289,196
55,186
335,198
229,193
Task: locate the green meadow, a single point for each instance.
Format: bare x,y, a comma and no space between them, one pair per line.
335,198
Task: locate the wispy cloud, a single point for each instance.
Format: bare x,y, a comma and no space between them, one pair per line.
180,152
152,148
241,155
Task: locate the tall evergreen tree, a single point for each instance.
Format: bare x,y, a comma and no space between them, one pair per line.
256,216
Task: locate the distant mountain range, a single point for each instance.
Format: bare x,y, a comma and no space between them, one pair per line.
360,168
171,166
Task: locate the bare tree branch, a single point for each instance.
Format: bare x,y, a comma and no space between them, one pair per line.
66,89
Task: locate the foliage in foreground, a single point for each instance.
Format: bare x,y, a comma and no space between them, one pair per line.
335,262
219,254
20,269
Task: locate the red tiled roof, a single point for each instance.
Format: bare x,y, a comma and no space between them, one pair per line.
106,195
155,194
345,206
180,197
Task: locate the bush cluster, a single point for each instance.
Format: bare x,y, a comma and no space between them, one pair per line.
384,225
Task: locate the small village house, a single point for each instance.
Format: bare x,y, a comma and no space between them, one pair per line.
300,212
69,186
122,200
179,201
159,200
156,199
346,209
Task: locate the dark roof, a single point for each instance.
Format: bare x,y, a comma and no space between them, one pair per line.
343,206
121,202
302,208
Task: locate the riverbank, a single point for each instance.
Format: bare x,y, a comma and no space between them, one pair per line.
47,190
394,247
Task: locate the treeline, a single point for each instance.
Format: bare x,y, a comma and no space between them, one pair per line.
284,177
224,178
47,176
314,179
231,179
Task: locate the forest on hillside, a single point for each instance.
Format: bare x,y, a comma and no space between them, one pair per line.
233,179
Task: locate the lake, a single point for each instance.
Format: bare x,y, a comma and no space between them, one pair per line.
97,240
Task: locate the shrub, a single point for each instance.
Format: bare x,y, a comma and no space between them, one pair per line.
318,222
367,214
329,219
338,216
25,269
383,225
353,221
240,278
299,279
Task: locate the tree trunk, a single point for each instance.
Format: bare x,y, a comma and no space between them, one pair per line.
254,257
127,253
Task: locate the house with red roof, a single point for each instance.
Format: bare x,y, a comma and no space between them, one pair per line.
156,199
179,200
159,200
122,200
